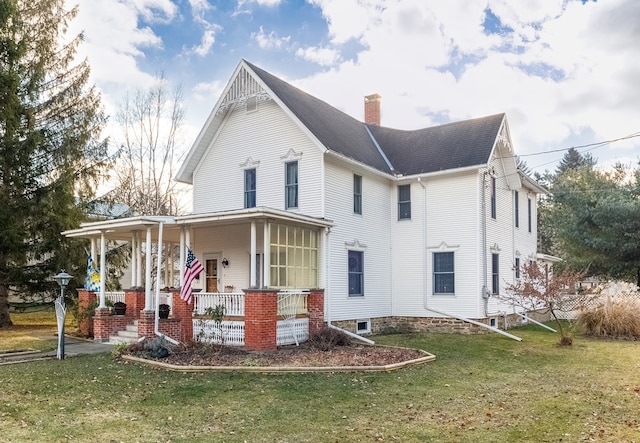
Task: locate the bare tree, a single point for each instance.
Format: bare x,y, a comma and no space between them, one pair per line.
151,121
538,288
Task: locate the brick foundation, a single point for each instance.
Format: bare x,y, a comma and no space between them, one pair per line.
260,319
315,308
134,299
171,327
184,312
105,324
146,324
86,305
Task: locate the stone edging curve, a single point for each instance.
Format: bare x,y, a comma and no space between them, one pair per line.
283,369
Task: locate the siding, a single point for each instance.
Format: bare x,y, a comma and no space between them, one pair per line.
265,136
451,225
371,230
232,242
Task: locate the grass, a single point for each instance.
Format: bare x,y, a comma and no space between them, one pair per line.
481,388
32,330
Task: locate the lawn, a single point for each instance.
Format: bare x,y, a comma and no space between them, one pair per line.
481,388
33,330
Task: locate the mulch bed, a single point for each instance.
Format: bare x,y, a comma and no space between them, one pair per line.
305,355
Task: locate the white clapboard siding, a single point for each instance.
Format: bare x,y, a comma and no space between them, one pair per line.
369,232
218,183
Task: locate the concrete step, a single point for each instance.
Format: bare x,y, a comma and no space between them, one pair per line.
128,334
132,328
118,339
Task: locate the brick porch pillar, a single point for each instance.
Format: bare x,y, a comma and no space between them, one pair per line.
146,323
134,299
260,319
101,324
85,308
315,308
180,309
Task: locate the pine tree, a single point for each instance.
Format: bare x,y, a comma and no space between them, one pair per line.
50,146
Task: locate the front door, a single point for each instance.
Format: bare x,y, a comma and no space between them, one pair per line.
212,275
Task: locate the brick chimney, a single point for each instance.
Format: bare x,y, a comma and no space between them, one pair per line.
372,109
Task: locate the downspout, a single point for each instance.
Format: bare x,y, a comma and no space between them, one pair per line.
328,298
156,328
426,292
483,229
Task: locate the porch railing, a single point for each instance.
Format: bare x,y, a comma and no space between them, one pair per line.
112,297
233,302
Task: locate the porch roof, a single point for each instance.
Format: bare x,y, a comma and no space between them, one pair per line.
121,229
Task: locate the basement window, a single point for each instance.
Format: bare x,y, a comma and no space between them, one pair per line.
493,323
363,326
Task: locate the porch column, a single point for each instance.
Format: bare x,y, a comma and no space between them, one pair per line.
134,264
139,259
148,302
266,259
103,267
182,255
93,249
252,268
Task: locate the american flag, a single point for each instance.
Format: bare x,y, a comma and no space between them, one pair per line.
192,269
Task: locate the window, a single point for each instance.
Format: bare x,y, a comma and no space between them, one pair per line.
529,213
443,273
356,273
495,275
357,194
404,202
493,197
363,326
516,207
517,267
250,188
293,257
291,185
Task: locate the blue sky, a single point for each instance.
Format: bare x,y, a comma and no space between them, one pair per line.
565,72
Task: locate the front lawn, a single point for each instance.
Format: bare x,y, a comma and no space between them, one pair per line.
481,388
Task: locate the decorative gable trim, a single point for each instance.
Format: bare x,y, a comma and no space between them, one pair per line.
243,88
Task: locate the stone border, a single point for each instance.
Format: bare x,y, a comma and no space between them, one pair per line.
284,369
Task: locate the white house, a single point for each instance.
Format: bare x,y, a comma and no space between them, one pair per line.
401,229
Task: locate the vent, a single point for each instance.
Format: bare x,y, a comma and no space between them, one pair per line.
252,104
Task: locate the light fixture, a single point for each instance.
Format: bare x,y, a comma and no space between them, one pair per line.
63,280
225,262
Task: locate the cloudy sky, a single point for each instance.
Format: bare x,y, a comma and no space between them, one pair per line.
565,72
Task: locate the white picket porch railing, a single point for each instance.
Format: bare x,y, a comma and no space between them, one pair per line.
230,333
233,302
113,297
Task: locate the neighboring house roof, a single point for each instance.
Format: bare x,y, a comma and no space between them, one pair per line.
392,151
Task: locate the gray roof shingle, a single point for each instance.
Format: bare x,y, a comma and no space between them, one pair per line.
449,146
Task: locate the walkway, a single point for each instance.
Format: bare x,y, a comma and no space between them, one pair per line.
72,348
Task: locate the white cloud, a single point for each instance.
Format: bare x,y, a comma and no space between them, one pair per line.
198,9
566,70
155,11
321,56
269,41
207,41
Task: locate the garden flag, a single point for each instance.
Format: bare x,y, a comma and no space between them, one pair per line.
92,282
192,268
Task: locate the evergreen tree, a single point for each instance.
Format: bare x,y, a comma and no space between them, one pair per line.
50,150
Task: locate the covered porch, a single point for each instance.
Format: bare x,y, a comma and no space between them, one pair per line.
254,260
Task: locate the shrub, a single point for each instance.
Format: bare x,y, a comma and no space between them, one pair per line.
615,317
328,338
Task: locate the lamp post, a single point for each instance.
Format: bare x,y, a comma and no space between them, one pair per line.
61,310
